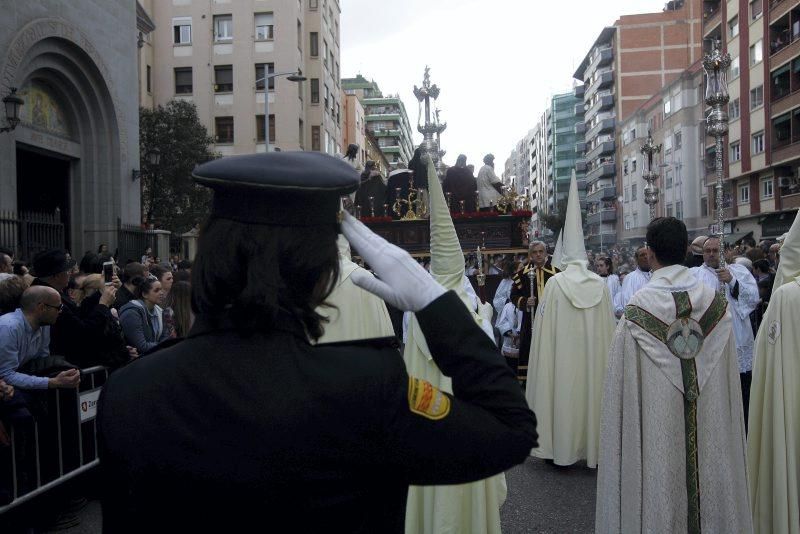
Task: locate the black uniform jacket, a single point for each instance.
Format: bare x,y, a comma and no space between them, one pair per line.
221,432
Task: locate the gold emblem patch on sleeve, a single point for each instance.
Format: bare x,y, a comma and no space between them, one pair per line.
426,400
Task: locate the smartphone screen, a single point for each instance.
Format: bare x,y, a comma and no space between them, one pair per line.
108,272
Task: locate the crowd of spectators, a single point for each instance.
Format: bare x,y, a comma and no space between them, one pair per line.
58,316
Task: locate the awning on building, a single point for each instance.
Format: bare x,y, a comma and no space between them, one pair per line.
775,225
735,237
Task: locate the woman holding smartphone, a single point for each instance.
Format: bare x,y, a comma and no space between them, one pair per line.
142,319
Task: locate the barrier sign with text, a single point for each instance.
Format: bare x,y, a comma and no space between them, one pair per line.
87,404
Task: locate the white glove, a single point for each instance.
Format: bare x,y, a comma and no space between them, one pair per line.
403,282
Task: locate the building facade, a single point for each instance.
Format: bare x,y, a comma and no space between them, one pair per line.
627,64
762,156
674,117
218,54
354,127
386,119
537,188
565,148
74,156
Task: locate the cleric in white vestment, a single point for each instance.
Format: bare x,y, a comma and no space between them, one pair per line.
672,444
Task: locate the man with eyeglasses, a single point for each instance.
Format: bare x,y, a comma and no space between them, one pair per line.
80,333
25,336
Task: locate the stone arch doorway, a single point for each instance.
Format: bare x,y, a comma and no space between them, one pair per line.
69,126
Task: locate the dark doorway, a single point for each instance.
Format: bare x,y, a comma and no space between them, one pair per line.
43,185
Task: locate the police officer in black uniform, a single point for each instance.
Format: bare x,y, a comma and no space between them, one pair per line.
247,426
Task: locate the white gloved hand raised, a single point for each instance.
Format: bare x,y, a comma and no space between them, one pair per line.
403,282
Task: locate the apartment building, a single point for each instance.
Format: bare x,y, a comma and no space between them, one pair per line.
565,148
354,127
627,64
536,189
386,119
674,118
217,53
762,157
542,162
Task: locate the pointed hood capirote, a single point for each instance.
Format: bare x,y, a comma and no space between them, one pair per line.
447,265
789,266
583,287
558,252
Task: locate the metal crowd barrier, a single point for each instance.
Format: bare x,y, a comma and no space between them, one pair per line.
68,445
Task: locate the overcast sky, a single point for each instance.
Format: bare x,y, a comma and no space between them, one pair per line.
496,63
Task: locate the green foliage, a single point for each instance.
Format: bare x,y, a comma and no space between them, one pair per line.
170,199
555,221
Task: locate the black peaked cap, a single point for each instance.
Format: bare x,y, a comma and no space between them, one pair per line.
278,188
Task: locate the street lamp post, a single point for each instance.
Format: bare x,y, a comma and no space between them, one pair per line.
716,64
12,104
293,76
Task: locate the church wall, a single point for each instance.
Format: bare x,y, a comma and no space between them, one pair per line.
85,50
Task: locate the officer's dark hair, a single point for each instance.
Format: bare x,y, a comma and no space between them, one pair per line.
254,271
142,285
668,239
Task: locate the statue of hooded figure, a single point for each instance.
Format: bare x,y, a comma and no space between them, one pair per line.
473,507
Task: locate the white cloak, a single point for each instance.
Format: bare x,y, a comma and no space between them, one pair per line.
740,308
641,483
356,314
509,320
632,283
773,442
474,507
614,287
573,329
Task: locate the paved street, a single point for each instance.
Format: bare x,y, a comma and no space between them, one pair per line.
547,499
541,499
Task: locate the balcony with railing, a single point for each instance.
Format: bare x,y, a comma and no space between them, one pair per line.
603,56
779,8
601,211
578,90
602,193
712,14
580,148
784,36
580,128
601,80
601,170
601,103
602,149
600,126
786,136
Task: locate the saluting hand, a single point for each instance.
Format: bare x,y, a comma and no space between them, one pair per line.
403,282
